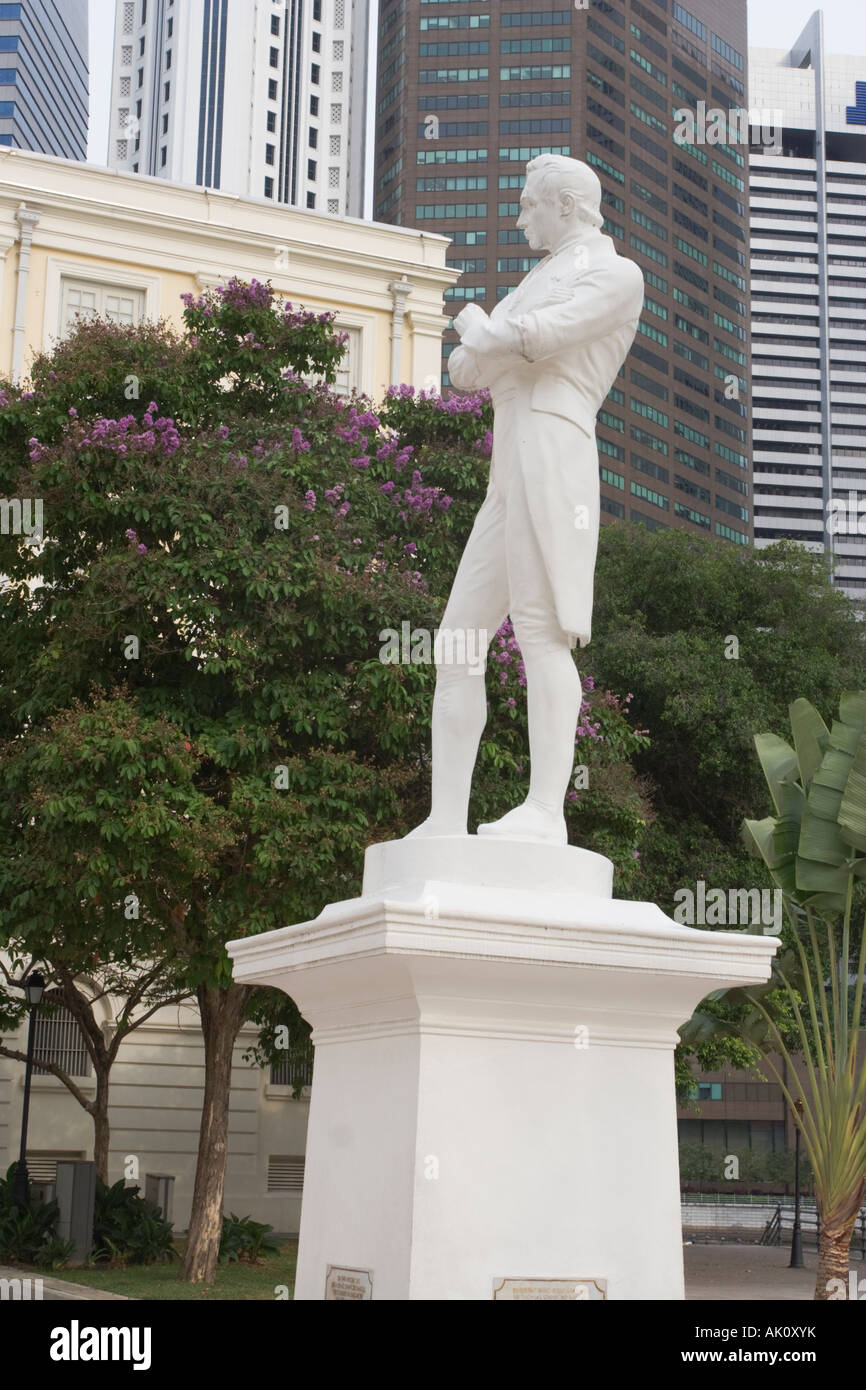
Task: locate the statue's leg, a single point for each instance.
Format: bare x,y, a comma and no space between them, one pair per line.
552,684
476,609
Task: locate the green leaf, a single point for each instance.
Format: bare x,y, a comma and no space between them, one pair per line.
811,737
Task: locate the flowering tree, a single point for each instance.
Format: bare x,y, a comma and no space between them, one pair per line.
195,718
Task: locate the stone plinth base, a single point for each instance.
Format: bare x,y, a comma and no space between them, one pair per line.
493,1093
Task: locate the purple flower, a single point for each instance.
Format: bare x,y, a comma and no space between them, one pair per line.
361,462
142,550
299,443
223,432
131,535
309,501
410,549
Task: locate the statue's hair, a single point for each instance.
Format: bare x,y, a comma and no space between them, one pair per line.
560,174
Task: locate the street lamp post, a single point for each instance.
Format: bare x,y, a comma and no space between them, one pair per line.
34,986
796,1261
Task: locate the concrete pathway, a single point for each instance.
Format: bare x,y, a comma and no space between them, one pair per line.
750,1273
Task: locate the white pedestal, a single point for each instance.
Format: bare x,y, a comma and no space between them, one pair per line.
493,1093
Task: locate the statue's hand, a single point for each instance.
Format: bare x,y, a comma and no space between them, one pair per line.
497,337
472,315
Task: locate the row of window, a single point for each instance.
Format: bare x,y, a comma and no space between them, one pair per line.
462,48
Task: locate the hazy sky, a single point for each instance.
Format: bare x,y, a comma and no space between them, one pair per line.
772,24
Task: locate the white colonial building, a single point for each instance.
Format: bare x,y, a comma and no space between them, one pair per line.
78,238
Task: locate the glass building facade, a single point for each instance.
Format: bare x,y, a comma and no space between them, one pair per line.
43,77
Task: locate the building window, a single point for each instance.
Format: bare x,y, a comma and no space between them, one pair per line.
140,82
128,19
122,149
336,82
163,156
126,55
272,89
168,59
336,112
165,124
275,57
334,144
125,86
58,1038
311,200
339,18
269,154
314,106
82,299
333,178
275,24
334,205
311,168
269,188
272,120
317,42
314,137
169,30
141,47
338,50
166,91
315,73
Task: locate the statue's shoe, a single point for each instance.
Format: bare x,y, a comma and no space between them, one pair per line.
430,829
529,822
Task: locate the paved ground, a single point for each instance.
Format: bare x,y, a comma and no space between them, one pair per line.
748,1273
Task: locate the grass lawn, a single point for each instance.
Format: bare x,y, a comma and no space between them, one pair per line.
233,1281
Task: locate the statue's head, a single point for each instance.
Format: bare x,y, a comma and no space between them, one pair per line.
561,197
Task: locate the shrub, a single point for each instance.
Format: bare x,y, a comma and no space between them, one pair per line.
28,1234
127,1229
245,1239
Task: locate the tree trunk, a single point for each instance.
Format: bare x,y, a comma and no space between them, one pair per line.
222,1012
101,1125
833,1253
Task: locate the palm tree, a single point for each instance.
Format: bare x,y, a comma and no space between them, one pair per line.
814,848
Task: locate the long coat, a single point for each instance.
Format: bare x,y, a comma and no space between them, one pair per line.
574,318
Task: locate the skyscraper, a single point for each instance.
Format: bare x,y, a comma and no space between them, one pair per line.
43,77
468,91
264,98
808,289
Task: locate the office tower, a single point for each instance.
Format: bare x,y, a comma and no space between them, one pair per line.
43,77
469,90
263,98
808,276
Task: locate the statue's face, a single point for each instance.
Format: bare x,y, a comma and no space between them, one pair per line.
542,220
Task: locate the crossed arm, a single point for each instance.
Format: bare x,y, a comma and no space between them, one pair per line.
488,346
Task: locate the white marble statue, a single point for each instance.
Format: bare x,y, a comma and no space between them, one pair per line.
549,353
